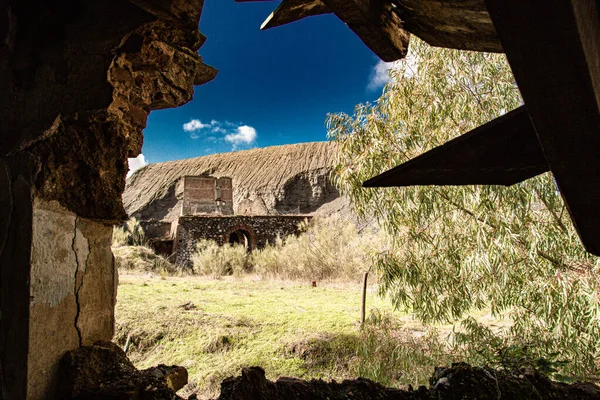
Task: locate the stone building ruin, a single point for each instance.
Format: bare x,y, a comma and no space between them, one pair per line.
207,213
80,77
207,195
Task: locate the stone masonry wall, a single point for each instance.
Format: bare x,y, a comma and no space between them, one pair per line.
261,229
200,195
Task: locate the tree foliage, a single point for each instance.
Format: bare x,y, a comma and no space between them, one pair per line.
457,249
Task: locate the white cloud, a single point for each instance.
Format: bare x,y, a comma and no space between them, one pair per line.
221,131
136,163
194,125
245,135
380,75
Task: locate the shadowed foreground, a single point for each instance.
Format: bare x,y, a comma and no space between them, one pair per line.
458,382
103,371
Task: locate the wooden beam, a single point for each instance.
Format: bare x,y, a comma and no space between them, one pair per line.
504,151
554,51
376,24
294,10
383,24
463,25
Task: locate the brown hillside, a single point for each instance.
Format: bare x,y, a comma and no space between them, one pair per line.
279,179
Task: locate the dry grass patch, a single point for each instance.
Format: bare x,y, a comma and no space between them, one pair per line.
141,258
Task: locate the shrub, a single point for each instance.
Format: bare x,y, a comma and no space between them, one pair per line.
325,351
119,237
393,355
458,249
329,248
130,234
384,351
212,259
140,258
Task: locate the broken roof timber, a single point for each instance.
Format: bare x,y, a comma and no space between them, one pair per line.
554,52
383,24
504,151
294,10
461,25
376,23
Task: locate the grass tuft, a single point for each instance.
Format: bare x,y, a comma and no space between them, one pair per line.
220,343
129,234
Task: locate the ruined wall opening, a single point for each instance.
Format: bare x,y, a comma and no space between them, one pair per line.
242,235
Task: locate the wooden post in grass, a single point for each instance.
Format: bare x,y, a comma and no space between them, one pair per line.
127,343
364,300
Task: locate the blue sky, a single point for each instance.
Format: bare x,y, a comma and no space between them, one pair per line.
273,87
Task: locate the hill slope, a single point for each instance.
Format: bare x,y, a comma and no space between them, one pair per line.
273,180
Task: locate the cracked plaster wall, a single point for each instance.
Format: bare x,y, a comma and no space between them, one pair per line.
72,290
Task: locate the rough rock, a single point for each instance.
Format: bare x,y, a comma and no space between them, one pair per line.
80,105
78,81
102,371
457,382
273,180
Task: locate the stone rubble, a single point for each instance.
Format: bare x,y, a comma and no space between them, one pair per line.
103,371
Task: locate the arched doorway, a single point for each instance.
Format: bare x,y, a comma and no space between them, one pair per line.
241,235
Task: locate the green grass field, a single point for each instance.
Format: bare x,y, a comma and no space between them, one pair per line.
235,323
215,327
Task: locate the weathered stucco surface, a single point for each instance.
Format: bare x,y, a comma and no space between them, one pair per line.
72,291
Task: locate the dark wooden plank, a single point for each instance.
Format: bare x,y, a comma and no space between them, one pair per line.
459,24
502,152
294,10
554,51
376,23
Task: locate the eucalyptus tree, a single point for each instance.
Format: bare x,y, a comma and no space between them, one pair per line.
456,249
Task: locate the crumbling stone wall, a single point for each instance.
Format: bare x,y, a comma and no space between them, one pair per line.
158,236
261,229
225,194
207,195
78,82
